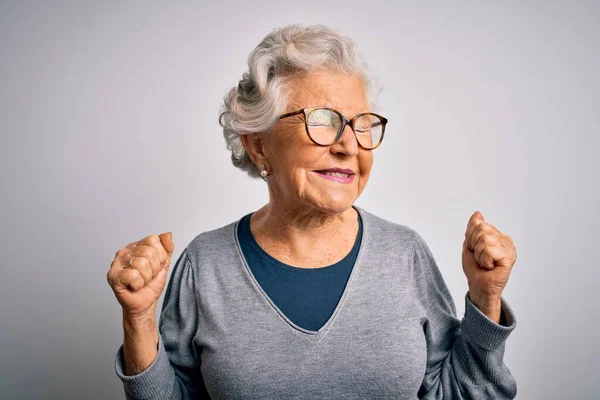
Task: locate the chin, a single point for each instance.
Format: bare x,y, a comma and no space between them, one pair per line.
330,200
335,205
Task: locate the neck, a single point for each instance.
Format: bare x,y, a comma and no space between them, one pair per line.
310,221
300,230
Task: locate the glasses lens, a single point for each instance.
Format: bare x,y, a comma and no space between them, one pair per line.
323,125
369,130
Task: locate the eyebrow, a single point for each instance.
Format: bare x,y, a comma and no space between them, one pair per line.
324,106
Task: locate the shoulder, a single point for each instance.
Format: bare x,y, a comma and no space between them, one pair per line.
394,239
214,235
213,244
389,231
401,245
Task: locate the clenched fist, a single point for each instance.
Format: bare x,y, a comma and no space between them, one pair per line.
488,257
138,273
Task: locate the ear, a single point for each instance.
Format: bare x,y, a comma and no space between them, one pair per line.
254,147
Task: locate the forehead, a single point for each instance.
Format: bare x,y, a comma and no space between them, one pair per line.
346,93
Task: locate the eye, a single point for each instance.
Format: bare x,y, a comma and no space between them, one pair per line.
363,125
362,129
322,117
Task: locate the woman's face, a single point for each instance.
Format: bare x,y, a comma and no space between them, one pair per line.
298,166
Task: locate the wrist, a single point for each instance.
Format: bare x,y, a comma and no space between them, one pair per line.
491,306
140,345
145,319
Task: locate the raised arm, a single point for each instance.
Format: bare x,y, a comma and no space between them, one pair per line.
464,357
157,361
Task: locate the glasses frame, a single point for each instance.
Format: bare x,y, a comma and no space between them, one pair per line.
345,121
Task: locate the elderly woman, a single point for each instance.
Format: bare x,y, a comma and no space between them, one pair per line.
311,296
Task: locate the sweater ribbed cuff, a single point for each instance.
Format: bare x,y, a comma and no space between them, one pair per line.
478,329
150,382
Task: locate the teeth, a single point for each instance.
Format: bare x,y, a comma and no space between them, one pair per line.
338,174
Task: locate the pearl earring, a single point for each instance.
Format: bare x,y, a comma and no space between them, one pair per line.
263,171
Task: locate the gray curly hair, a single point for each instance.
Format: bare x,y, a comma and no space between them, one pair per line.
261,96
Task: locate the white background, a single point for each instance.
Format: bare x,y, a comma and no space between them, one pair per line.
108,117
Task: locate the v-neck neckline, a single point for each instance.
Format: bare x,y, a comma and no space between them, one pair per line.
313,336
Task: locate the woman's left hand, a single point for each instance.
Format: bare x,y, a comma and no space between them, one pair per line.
488,256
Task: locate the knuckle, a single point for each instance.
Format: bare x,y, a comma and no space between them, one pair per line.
483,227
119,253
114,265
154,254
130,275
153,239
145,269
485,252
486,238
148,252
112,277
139,267
136,277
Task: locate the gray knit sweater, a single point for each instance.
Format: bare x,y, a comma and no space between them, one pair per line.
393,335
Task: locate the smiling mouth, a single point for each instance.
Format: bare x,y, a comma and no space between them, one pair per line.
335,173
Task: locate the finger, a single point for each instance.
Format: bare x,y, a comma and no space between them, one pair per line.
119,255
476,217
167,263
475,220
154,241
482,256
503,256
151,254
484,233
143,265
131,245
157,284
492,256
131,278
120,262
167,241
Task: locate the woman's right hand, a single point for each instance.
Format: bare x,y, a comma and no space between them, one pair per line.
138,274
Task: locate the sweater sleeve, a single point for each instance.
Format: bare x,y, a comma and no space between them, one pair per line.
464,357
174,373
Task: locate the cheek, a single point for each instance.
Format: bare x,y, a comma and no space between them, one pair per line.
282,152
365,163
303,157
295,160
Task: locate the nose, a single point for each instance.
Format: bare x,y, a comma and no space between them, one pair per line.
347,145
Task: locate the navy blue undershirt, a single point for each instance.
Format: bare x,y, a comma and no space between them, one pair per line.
307,296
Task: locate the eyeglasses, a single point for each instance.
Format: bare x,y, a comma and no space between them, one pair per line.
325,126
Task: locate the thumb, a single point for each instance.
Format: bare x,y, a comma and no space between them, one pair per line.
167,242
468,255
